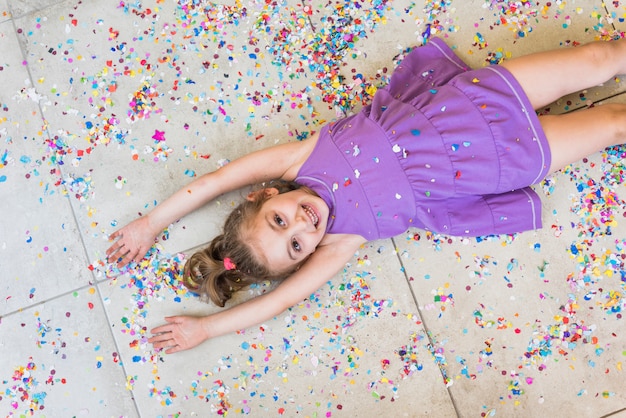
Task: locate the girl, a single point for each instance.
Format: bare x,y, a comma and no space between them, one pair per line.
441,148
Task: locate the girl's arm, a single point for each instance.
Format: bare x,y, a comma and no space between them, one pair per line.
184,332
281,161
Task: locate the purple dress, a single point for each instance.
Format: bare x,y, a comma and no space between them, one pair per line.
442,148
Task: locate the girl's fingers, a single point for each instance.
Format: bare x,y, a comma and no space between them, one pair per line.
169,348
113,252
157,341
119,255
163,334
123,254
163,344
161,329
157,344
116,247
113,248
174,349
156,332
161,339
164,341
125,259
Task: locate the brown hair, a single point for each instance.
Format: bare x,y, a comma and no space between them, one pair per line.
206,272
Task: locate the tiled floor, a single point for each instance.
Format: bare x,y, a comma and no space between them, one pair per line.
106,108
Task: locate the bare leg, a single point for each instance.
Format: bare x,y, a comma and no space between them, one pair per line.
548,76
576,135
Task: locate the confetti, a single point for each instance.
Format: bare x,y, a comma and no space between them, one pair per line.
162,76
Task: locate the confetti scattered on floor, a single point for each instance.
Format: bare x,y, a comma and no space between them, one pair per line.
105,105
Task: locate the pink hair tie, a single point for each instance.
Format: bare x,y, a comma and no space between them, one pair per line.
228,264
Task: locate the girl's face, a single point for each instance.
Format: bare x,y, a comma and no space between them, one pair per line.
289,227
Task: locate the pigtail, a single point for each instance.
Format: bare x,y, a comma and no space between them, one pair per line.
207,274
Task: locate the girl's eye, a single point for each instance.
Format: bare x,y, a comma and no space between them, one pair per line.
296,245
279,221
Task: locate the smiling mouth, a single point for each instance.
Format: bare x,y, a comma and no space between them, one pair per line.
315,220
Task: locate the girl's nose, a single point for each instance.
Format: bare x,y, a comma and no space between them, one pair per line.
300,222
304,221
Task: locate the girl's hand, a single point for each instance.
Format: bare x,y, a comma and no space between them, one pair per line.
132,242
180,333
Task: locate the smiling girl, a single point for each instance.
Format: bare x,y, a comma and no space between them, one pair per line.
442,147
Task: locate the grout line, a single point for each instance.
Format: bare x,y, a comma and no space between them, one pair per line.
593,103
614,413
424,325
42,302
117,349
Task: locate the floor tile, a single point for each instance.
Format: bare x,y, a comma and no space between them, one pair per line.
66,364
